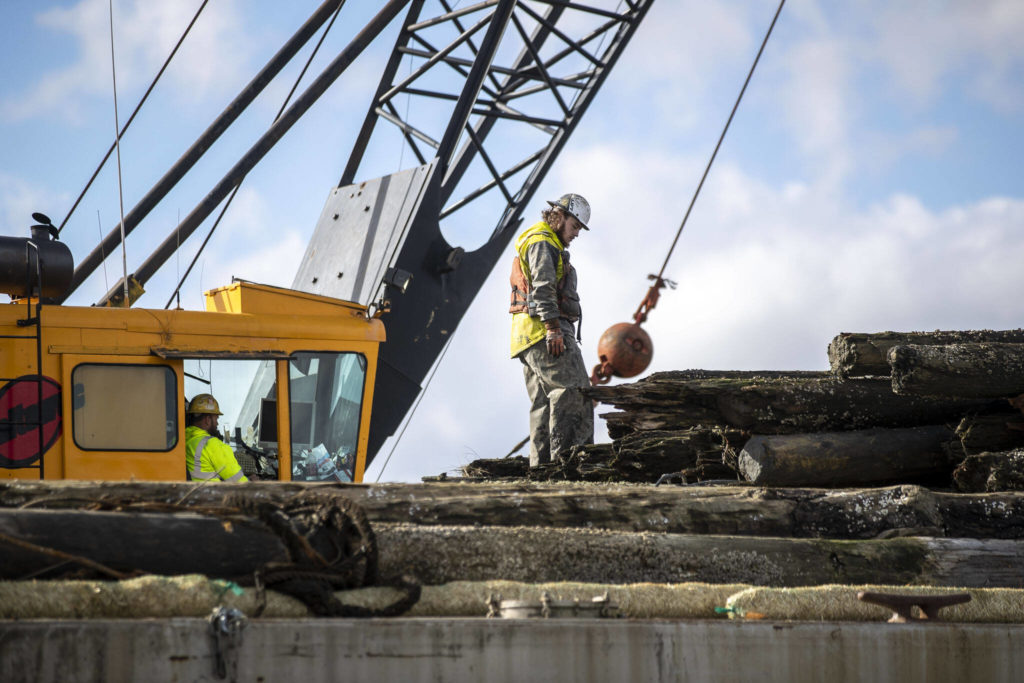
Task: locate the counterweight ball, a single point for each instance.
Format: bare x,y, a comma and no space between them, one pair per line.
625,349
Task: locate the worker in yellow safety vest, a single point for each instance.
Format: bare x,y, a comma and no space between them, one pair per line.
206,456
545,307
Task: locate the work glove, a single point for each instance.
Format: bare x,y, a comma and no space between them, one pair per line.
555,342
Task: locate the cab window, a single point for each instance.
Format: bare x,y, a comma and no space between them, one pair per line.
124,407
326,393
246,391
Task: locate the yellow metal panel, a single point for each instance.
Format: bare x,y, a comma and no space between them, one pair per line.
99,350
248,297
364,419
119,465
284,424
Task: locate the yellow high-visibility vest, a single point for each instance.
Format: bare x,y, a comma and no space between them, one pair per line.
216,458
526,329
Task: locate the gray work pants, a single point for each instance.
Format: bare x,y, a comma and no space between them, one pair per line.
560,416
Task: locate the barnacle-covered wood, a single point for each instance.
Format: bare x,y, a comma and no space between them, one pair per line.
734,510
157,543
855,458
440,554
854,354
975,370
1002,431
640,457
1000,471
697,453
769,403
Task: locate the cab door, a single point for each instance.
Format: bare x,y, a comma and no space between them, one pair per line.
123,418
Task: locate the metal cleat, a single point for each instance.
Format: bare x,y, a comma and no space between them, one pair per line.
903,605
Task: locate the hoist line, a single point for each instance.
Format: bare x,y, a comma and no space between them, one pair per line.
117,144
131,118
707,169
231,198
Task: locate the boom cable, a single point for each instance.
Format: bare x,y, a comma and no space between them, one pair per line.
238,186
131,118
693,201
117,144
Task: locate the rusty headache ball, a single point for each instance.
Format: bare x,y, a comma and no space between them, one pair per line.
625,349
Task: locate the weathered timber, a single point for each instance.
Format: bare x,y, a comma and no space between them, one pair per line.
779,404
641,457
439,554
858,355
510,467
977,434
1001,471
855,458
972,370
181,543
442,554
697,451
729,510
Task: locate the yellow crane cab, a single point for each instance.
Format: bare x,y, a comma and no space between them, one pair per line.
100,393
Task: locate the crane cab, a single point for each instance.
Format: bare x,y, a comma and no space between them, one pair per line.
100,393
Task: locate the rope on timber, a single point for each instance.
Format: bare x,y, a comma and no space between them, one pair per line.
329,542
63,557
331,546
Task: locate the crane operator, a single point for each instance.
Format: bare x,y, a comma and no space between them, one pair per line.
545,306
206,456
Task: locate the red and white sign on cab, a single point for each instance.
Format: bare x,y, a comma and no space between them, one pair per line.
22,415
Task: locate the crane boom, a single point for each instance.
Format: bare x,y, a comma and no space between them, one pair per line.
497,89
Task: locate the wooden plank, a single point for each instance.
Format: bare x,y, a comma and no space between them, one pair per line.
855,458
168,544
441,554
734,510
855,354
974,370
181,543
977,434
769,404
641,457
1000,471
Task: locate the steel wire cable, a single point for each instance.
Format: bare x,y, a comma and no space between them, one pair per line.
234,192
707,169
131,118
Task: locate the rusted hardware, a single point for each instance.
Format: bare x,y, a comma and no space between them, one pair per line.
651,298
226,624
903,605
625,350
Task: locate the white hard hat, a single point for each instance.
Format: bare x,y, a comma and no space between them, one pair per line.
576,206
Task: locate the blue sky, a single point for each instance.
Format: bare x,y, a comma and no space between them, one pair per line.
871,179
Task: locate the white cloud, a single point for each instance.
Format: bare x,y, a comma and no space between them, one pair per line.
922,44
18,201
251,245
819,109
144,34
